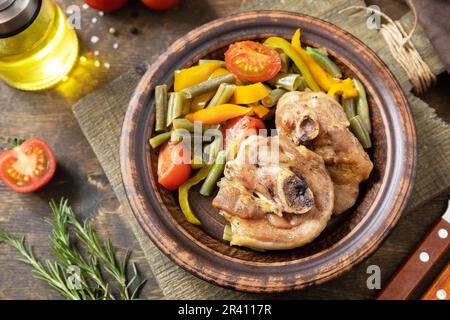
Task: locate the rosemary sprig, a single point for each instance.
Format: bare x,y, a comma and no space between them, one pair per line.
52,274
91,283
68,255
105,254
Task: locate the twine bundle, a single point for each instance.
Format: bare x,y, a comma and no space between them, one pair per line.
403,49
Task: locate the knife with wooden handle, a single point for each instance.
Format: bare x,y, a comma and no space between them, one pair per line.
440,289
429,251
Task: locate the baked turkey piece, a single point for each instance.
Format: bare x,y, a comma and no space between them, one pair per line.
317,121
271,204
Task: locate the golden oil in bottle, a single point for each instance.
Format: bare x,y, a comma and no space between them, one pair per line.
38,47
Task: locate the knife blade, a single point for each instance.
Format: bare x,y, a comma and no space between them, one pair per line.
446,215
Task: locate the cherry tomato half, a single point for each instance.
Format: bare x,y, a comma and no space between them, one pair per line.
27,167
174,165
106,5
252,61
237,130
161,4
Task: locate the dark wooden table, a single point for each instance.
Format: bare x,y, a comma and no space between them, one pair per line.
143,35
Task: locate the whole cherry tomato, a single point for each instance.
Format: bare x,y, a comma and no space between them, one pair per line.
106,5
161,4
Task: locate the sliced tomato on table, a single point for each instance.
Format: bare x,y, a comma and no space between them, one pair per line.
174,165
252,61
237,130
27,167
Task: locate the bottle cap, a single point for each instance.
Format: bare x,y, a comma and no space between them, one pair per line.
17,15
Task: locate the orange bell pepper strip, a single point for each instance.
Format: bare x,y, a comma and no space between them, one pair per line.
185,78
323,79
218,114
258,110
345,88
249,94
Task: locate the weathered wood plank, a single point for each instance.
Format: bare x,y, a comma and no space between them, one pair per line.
80,176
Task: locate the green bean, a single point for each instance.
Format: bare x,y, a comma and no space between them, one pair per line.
186,106
325,62
203,61
170,105
176,136
362,106
322,50
223,94
285,61
302,85
290,82
360,131
158,140
349,107
169,110
179,107
273,97
214,175
160,107
227,233
184,124
181,134
197,162
208,85
176,107
213,149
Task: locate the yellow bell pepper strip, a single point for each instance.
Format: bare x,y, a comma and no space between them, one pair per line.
324,80
219,72
202,100
249,94
188,77
218,114
183,194
345,88
280,43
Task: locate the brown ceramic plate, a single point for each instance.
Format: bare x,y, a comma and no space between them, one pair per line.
347,240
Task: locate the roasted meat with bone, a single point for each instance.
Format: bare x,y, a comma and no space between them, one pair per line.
274,194
317,121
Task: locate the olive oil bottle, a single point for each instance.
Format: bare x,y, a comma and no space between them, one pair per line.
38,47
